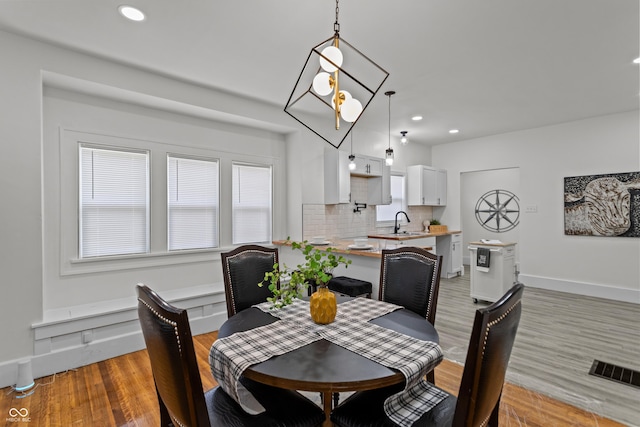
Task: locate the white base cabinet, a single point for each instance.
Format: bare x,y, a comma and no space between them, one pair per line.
450,247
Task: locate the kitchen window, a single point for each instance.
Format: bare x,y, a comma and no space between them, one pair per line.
252,203
114,201
192,203
386,214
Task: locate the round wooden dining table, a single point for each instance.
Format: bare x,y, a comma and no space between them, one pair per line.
323,366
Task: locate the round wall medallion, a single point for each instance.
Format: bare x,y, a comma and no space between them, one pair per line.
498,211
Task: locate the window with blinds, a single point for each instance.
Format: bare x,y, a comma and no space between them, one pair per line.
252,203
398,200
193,203
114,202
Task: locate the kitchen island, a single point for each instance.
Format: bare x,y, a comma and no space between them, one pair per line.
447,243
365,264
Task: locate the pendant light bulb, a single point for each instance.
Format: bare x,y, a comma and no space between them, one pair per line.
404,139
388,157
352,163
388,160
352,158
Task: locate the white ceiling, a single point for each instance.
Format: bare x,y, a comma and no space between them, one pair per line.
483,66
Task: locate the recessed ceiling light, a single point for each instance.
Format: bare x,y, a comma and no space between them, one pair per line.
636,61
454,131
131,13
416,118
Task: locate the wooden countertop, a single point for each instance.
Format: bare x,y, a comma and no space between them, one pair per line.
501,244
341,246
414,235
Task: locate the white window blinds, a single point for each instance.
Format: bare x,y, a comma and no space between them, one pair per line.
114,202
252,206
192,216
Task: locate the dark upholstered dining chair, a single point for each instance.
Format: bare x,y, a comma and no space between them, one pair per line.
182,401
410,277
478,402
243,268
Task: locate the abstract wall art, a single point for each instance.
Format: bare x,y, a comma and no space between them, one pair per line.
602,205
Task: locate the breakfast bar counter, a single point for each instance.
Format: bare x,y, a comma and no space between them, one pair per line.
347,247
365,263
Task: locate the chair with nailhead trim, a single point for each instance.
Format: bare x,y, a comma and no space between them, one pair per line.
243,268
182,402
410,277
478,402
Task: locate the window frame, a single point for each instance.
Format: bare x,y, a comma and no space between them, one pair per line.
61,199
217,206
147,232
270,167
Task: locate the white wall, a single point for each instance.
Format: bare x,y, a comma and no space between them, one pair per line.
69,118
598,266
474,185
32,254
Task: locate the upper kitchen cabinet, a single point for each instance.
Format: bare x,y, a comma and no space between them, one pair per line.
337,178
379,188
368,166
426,186
337,181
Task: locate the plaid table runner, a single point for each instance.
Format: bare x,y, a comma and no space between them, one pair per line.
413,357
357,309
230,356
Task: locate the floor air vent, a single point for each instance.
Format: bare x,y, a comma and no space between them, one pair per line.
615,373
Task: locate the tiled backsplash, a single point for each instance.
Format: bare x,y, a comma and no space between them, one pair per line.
340,221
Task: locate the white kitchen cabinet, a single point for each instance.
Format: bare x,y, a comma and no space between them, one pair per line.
337,180
368,166
490,283
426,186
379,188
421,242
450,247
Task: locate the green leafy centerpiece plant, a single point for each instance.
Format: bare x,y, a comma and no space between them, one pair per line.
287,284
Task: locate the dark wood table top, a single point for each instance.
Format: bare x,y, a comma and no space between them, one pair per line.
323,366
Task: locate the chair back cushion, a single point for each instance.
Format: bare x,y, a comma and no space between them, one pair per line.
410,277
243,268
492,337
173,362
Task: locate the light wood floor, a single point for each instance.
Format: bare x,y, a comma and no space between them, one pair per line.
559,336
120,392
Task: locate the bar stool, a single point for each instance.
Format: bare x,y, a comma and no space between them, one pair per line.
349,286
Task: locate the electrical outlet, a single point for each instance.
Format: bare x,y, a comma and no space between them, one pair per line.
531,209
87,336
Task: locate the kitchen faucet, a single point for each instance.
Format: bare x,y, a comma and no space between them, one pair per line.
396,227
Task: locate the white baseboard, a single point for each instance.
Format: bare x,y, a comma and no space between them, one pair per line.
580,288
61,345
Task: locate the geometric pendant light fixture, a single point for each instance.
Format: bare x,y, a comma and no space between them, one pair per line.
335,86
